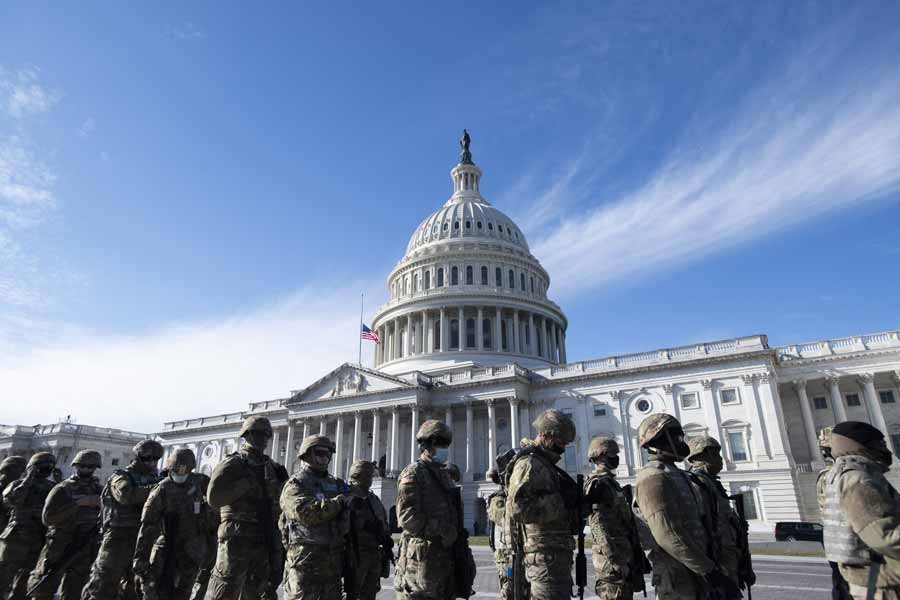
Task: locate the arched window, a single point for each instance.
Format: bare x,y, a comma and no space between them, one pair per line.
440,277
454,276
405,286
470,333
428,280
522,281
532,285
454,333
446,226
468,224
490,226
415,287
486,333
470,277
484,276
479,224
498,276
456,225
512,279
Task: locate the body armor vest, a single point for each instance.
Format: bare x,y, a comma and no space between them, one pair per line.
86,516
322,486
249,507
842,545
185,502
116,514
27,515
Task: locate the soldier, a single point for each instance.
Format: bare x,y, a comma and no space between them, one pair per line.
500,538
172,543
542,500
839,588
71,514
672,508
430,521
11,469
369,522
612,524
23,538
202,582
122,500
706,463
315,521
862,512
245,489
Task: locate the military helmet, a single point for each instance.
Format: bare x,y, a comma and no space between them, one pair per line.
362,468
256,423
600,446
41,458
148,448
653,425
825,438
88,459
183,457
312,441
556,423
436,430
13,463
701,444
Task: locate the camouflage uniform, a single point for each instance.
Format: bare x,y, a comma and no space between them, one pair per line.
839,588
496,509
245,489
540,503
670,506
369,522
862,511
122,499
430,523
11,469
23,538
72,528
172,543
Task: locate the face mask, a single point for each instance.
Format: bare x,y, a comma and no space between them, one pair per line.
611,462
178,478
257,440
44,471
441,455
84,473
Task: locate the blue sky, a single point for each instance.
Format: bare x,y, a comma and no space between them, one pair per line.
191,196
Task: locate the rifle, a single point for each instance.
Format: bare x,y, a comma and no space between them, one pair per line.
48,578
745,563
464,569
639,563
580,558
167,575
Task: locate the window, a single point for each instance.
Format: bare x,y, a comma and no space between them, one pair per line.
490,226
738,446
895,443
599,410
748,498
643,405
512,279
486,333
819,403
440,277
446,226
470,333
115,462
500,228
454,333
690,400
498,276
405,286
415,287
852,399
729,396
468,224
437,335
427,280
470,277
522,281
532,285
454,276
456,225
886,396
484,276
479,224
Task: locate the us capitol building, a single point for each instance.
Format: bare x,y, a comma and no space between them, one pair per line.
471,337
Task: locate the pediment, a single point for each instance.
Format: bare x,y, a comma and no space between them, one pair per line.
350,380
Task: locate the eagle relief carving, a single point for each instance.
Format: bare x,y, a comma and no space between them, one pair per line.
351,382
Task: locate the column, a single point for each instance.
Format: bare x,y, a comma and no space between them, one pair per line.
426,334
381,344
305,428
492,435
867,381
775,429
357,435
516,348
337,468
498,322
376,435
562,347
444,343
323,426
712,413
395,351
757,439
808,424
395,440
514,422
414,429
470,434
289,445
462,329
837,401
533,344
276,445
479,329
410,338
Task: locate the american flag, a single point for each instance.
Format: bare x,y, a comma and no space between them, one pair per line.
368,334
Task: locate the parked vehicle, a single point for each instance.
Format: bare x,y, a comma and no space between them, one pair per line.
797,531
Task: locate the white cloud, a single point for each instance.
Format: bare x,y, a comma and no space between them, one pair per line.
24,94
186,31
87,128
189,369
815,140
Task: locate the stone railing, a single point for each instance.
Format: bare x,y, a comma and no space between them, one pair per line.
267,405
478,374
464,291
71,429
838,346
665,356
228,418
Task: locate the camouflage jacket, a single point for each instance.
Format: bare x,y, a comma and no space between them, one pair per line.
425,505
611,520
370,522
245,488
124,495
313,510
724,520
24,498
496,510
61,510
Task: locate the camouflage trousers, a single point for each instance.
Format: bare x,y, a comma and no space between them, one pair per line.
607,590
111,575
242,569
368,573
674,581
549,573
58,547
19,552
612,576
502,558
201,583
424,570
180,581
313,573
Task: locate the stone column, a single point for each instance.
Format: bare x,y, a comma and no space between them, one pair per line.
305,428
357,435
756,441
532,341
395,350
376,435
808,423
516,348
513,422
444,343
276,445
323,427
470,436
413,429
498,336
562,347
712,413
462,329
426,334
289,445
492,434
479,330
410,338
395,440
867,381
837,401
337,469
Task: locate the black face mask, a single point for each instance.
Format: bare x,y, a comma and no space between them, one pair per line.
257,439
44,470
611,462
558,450
85,472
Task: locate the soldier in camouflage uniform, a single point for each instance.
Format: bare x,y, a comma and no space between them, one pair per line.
672,509
611,522
23,538
172,543
122,500
71,514
839,588
496,510
541,503
862,512
429,519
369,521
245,489
315,521
705,464
11,469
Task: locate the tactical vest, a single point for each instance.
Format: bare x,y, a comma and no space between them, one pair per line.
322,486
115,514
246,509
27,515
187,503
689,498
842,545
86,516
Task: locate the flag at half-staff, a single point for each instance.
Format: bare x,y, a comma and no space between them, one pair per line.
368,334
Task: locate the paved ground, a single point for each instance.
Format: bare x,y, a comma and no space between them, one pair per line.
809,579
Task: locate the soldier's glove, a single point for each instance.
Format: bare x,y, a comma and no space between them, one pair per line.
717,580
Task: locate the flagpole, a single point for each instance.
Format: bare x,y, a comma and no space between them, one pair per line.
359,331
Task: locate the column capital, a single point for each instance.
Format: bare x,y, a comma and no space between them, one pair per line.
513,401
865,378
668,388
832,379
616,394
489,401
799,385
706,383
748,378
375,411
895,376
766,376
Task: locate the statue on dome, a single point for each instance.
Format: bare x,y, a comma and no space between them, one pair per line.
464,141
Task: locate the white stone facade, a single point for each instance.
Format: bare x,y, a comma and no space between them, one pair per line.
484,350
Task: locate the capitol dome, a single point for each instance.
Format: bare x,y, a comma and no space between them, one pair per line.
468,290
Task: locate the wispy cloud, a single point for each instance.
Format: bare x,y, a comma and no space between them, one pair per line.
23,94
821,136
188,369
87,128
185,31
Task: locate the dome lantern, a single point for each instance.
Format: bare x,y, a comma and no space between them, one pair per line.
465,175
